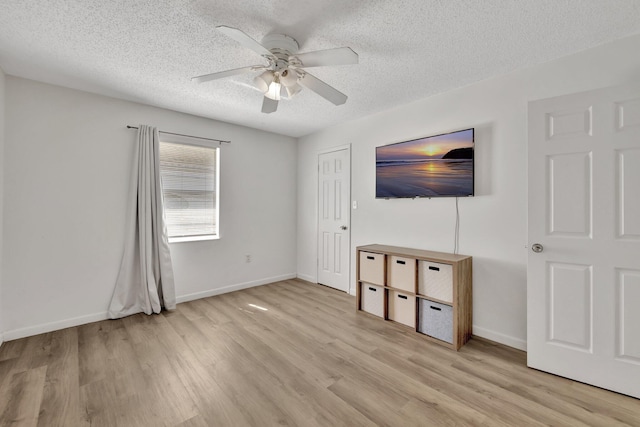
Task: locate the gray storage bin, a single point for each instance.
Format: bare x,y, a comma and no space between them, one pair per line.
435,320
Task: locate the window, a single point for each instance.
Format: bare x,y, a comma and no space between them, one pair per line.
190,175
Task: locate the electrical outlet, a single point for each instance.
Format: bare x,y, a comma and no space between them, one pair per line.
248,258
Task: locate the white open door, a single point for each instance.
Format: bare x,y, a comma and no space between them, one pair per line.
583,280
334,194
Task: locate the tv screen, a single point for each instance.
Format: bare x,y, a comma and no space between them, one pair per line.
434,166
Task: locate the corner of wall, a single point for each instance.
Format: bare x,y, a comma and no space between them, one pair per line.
515,342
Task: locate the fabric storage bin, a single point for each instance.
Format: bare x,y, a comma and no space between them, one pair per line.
372,268
402,273
435,320
402,308
372,299
435,280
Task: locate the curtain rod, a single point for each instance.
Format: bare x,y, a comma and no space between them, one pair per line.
188,136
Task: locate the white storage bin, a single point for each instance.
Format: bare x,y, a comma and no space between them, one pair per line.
372,299
402,273
435,280
372,268
402,308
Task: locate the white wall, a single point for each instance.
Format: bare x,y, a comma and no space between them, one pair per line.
68,160
493,223
2,127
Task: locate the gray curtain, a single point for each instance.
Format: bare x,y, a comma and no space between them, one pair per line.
145,281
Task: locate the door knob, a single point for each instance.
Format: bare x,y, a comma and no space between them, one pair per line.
537,248
343,227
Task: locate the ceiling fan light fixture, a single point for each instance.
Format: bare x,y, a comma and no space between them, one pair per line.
293,90
274,90
288,78
264,80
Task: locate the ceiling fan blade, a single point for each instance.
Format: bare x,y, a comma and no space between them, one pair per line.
269,105
228,73
242,38
322,89
319,58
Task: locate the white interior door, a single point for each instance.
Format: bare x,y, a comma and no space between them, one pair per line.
334,194
583,284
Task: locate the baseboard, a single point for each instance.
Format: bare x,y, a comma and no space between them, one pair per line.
90,318
510,341
232,288
307,278
305,281
53,326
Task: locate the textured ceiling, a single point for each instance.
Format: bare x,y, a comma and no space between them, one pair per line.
147,50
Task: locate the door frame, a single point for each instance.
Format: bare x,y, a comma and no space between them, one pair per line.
317,207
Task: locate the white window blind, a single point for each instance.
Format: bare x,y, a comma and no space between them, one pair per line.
189,175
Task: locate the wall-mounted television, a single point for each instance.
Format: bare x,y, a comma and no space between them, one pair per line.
434,166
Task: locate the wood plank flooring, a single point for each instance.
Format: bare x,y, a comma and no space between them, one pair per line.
286,354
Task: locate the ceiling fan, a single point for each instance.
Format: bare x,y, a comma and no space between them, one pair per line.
286,74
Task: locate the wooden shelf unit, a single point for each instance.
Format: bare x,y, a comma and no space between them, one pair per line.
428,291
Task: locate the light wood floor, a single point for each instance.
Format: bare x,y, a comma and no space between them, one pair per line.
307,360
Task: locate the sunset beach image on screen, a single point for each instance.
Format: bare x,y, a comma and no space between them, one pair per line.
434,166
